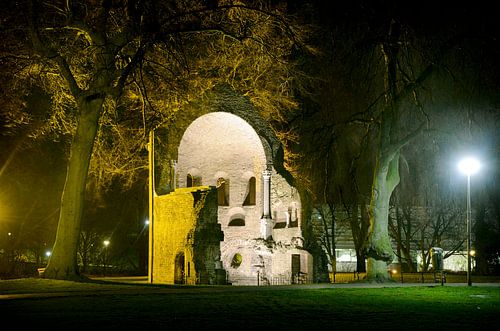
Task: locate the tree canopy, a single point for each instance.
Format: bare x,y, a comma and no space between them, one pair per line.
113,70
389,72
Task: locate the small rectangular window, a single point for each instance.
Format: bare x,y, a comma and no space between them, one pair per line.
222,192
250,198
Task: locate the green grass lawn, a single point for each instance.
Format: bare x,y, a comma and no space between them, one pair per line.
106,306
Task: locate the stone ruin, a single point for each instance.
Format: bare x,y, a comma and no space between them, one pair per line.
228,215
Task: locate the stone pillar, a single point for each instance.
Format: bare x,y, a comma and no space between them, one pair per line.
266,176
266,222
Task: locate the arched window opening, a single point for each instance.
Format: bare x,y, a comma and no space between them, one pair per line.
250,198
293,217
222,192
179,268
237,222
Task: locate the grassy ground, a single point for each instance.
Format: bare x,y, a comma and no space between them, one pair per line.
69,305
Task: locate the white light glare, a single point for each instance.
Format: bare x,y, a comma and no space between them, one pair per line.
469,166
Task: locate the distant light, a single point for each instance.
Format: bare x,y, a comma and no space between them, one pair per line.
469,166
48,253
146,222
394,271
9,234
472,252
106,243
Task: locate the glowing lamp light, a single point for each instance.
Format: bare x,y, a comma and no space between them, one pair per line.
146,222
48,253
106,243
469,166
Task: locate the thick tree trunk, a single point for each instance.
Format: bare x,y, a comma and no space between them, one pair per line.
360,262
333,244
386,172
63,261
377,271
378,246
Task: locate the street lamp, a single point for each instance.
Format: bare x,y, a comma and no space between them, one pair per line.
106,244
469,166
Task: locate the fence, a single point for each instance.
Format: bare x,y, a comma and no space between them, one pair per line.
413,277
425,277
262,280
346,277
418,277
349,277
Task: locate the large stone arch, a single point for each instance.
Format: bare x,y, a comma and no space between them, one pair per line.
220,99
221,136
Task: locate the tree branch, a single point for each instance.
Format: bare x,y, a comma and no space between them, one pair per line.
125,72
396,146
410,87
45,51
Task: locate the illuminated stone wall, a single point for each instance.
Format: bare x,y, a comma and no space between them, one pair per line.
221,135
264,262
186,237
223,145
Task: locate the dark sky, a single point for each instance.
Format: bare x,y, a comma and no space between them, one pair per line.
425,16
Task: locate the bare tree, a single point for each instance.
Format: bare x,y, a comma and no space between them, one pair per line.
330,223
416,229
87,249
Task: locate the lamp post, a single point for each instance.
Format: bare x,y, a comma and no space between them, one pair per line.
469,166
106,244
